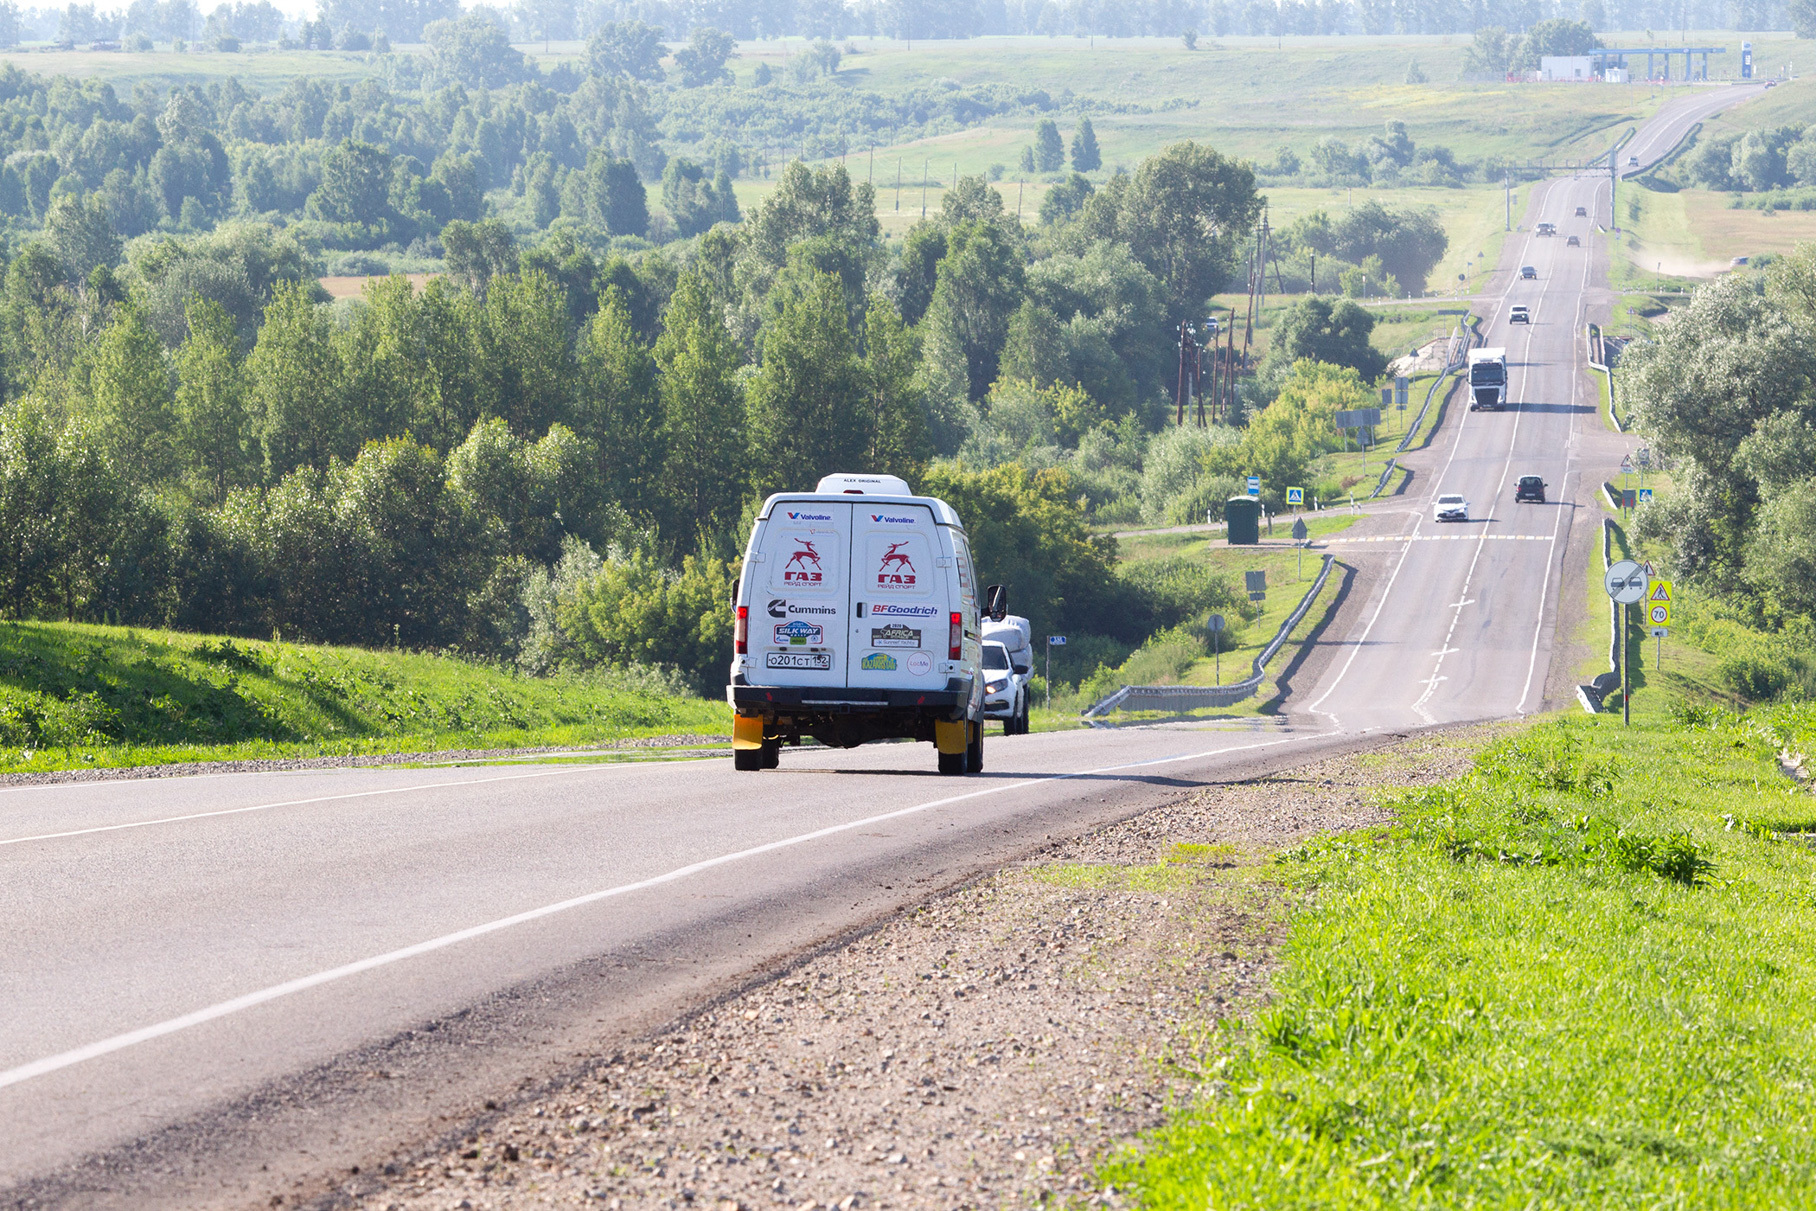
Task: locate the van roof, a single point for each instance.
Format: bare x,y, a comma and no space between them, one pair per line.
943,513
1495,354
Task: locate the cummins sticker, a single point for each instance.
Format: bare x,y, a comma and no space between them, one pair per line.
895,635
781,607
878,662
796,633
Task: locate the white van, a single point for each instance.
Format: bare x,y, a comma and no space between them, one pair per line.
1008,672
857,619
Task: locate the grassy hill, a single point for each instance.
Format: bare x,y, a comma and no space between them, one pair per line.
73,695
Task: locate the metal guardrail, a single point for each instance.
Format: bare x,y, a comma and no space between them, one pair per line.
1592,695
1181,698
1461,341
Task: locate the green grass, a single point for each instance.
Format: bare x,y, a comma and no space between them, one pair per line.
74,696
1184,658
1578,977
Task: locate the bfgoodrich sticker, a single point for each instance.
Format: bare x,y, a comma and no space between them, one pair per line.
883,609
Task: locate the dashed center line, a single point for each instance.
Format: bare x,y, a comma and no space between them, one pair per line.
1441,538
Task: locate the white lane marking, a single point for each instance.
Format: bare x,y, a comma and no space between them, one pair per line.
1436,538
144,1034
391,790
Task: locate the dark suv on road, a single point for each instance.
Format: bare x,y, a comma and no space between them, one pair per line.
1529,488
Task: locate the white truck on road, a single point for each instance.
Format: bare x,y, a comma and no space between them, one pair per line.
1487,379
857,619
1008,671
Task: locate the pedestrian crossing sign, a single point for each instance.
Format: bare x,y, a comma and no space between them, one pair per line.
1295,496
1658,603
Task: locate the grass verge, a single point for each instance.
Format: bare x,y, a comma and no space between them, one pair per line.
78,696
1576,977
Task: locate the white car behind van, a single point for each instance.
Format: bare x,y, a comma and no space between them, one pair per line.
857,619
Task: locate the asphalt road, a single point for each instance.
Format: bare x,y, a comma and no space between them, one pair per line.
217,990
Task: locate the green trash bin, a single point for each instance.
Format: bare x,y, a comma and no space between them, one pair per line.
1242,521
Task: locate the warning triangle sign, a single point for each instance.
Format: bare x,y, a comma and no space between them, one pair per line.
1661,591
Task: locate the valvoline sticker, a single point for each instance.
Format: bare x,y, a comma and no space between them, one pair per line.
894,520
793,516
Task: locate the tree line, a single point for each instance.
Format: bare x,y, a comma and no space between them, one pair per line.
553,456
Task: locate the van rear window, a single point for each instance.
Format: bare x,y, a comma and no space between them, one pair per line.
996,656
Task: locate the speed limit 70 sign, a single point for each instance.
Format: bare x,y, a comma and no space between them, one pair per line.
1658,603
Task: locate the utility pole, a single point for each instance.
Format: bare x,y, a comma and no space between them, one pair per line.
926,167
898,183
1507,185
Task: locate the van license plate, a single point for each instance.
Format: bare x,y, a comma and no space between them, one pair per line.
798,660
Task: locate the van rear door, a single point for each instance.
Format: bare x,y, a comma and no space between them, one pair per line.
899,587
799,621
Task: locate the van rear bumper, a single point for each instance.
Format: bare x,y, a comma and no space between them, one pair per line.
764,699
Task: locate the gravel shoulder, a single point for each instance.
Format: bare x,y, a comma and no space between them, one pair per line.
987,1048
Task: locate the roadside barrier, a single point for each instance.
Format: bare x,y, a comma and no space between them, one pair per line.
1598,360
1182,698
1591,696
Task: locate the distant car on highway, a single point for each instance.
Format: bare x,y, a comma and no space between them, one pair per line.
1582,212
1546,229
1632,161
1528,272
1529,488
1450,507
1573,242
1518,315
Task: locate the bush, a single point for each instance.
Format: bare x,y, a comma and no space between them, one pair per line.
1752,678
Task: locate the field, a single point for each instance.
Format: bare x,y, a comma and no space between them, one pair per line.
74,696
1576,977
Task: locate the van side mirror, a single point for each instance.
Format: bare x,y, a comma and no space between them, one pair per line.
996,602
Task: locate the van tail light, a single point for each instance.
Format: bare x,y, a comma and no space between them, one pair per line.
740,634
955,638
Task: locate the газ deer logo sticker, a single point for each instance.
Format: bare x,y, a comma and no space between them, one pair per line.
804,555
903,574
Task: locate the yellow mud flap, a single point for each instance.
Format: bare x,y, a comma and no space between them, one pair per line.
951,737
747,731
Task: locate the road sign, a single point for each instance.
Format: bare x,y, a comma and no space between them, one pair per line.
1401,385
1625,582
1300,533
1629,498
1387,397
1056,641
1215,622
1627,466
1661,632
1255,582
1359,418
1644,457
1658,603
1643,497
1254,485
1295,496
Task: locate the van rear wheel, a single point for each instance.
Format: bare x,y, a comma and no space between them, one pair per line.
974,752
747,758
955,763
